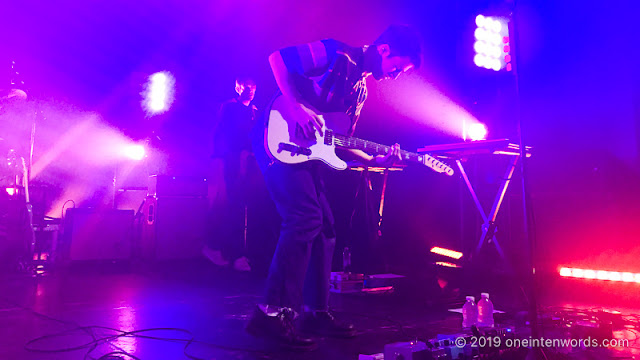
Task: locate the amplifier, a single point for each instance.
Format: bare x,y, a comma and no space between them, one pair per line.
166,185
99,234
173,227
130,198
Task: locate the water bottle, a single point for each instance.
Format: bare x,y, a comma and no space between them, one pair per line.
346,260
485,311
469,313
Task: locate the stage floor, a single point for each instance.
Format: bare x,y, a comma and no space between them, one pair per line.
72,307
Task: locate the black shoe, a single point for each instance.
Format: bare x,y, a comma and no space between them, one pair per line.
279,329
323,323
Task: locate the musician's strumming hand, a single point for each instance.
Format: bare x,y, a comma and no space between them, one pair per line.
309,120
392,157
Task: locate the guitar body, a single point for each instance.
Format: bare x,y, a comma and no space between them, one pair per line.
286,142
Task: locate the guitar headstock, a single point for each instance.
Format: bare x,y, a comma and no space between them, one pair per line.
435,164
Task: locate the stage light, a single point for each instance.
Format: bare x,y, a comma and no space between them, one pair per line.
615,276
134,152
477,132
481,34
12,191
603,275
496,26
565,272
446,264
446,252
158,94
480,47
480,60
495,52
492,36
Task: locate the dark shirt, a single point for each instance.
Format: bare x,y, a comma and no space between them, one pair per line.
329,75
231,135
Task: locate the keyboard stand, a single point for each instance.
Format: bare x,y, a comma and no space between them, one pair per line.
489,220
373,209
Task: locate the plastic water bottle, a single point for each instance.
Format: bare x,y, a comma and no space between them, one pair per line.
346,260
485,311
469,313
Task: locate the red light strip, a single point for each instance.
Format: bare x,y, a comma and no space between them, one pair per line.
591,274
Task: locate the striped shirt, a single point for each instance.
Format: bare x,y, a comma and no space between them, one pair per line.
329,75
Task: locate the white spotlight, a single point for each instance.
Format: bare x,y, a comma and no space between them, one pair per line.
479,46
495,52
479,60
481,34
159,78
496,26
496,64
134,152
488,23
477,131
158,94
492,41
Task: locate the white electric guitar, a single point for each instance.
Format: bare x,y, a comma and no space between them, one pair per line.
286,142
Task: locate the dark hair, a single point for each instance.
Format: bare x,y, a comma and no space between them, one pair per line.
245,80
403,40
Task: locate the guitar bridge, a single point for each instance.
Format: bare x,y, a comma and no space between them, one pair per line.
294,149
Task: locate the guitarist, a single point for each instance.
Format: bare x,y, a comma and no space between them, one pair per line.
322,76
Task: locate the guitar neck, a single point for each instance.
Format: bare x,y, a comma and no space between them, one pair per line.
348,142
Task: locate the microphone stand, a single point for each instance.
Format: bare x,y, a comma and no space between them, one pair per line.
529,235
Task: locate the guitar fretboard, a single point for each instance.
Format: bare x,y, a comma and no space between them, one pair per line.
370,147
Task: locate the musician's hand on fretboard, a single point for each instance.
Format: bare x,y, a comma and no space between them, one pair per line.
391,158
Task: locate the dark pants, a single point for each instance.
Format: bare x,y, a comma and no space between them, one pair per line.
301,265
228,214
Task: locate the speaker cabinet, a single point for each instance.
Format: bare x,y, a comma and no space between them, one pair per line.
97,234
173,227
